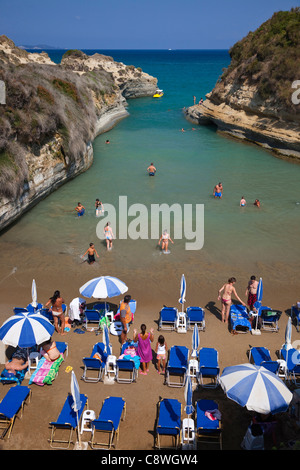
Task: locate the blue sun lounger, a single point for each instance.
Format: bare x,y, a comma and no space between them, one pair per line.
94,364
269,318
126,371
292,359
177,366
169,422
13,402
239,319
261,357
208,367
68,421
208,430
112,412
92,319
195,316
167,318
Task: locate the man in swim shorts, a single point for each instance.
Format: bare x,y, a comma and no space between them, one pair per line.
228,289
151,170
251,291
91,251
218,191
80,209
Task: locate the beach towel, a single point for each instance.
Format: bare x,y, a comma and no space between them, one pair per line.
46,371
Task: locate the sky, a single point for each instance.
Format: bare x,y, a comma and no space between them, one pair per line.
135,24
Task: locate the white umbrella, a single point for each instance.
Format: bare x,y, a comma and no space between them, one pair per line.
195,340
103,287
288,334
34,294
76,400
182,291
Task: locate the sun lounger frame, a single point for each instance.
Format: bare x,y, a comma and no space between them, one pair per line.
107,425
168,324
63,425
191,322
168,429
7,422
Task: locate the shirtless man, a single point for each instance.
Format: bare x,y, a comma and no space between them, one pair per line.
218,191
165,241
228,289
91,251
16,364
80,209
251,291
151,170
50,351
57,311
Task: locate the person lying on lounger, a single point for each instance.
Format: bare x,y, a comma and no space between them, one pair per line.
16,364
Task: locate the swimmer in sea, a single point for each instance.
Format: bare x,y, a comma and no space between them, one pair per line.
99,208
218,191
228,289
91,252
151,170
80,209
108,236
242,202
165,238
256,203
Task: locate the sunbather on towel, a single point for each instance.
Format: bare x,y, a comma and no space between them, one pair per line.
16,364
50,351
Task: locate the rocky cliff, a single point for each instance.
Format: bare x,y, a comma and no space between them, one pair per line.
253,99
50,117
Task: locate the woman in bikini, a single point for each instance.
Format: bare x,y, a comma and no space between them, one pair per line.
228,289
57,311
108,235
49,351
165,238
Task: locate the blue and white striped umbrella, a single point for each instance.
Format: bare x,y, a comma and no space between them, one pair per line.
195,340
288,334
188,394
34,294
105,340
259,293
256,388
25,330
182,291
103,287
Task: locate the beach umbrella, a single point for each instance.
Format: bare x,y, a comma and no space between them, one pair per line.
182,291
256,388
105,340
195,340
288,334
76,399
26,329
103,287
188,395
34,294
257,305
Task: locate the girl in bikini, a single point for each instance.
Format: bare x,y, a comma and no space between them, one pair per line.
165,241
228,289
108,235
57,311
50,351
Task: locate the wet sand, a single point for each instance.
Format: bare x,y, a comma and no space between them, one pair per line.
152,289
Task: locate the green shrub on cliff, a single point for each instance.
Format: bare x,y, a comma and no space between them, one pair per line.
270,58
41,102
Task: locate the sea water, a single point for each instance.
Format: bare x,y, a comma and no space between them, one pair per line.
189,164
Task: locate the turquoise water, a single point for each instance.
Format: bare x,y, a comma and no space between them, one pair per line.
189,164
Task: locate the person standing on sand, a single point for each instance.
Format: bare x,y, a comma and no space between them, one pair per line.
251,291
125,317
218,191
228,289
144,350
57,311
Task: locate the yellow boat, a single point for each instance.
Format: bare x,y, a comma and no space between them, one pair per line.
158,94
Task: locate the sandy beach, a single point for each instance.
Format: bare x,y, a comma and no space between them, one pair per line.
151,292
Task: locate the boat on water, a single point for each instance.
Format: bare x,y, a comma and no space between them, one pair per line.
158,94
